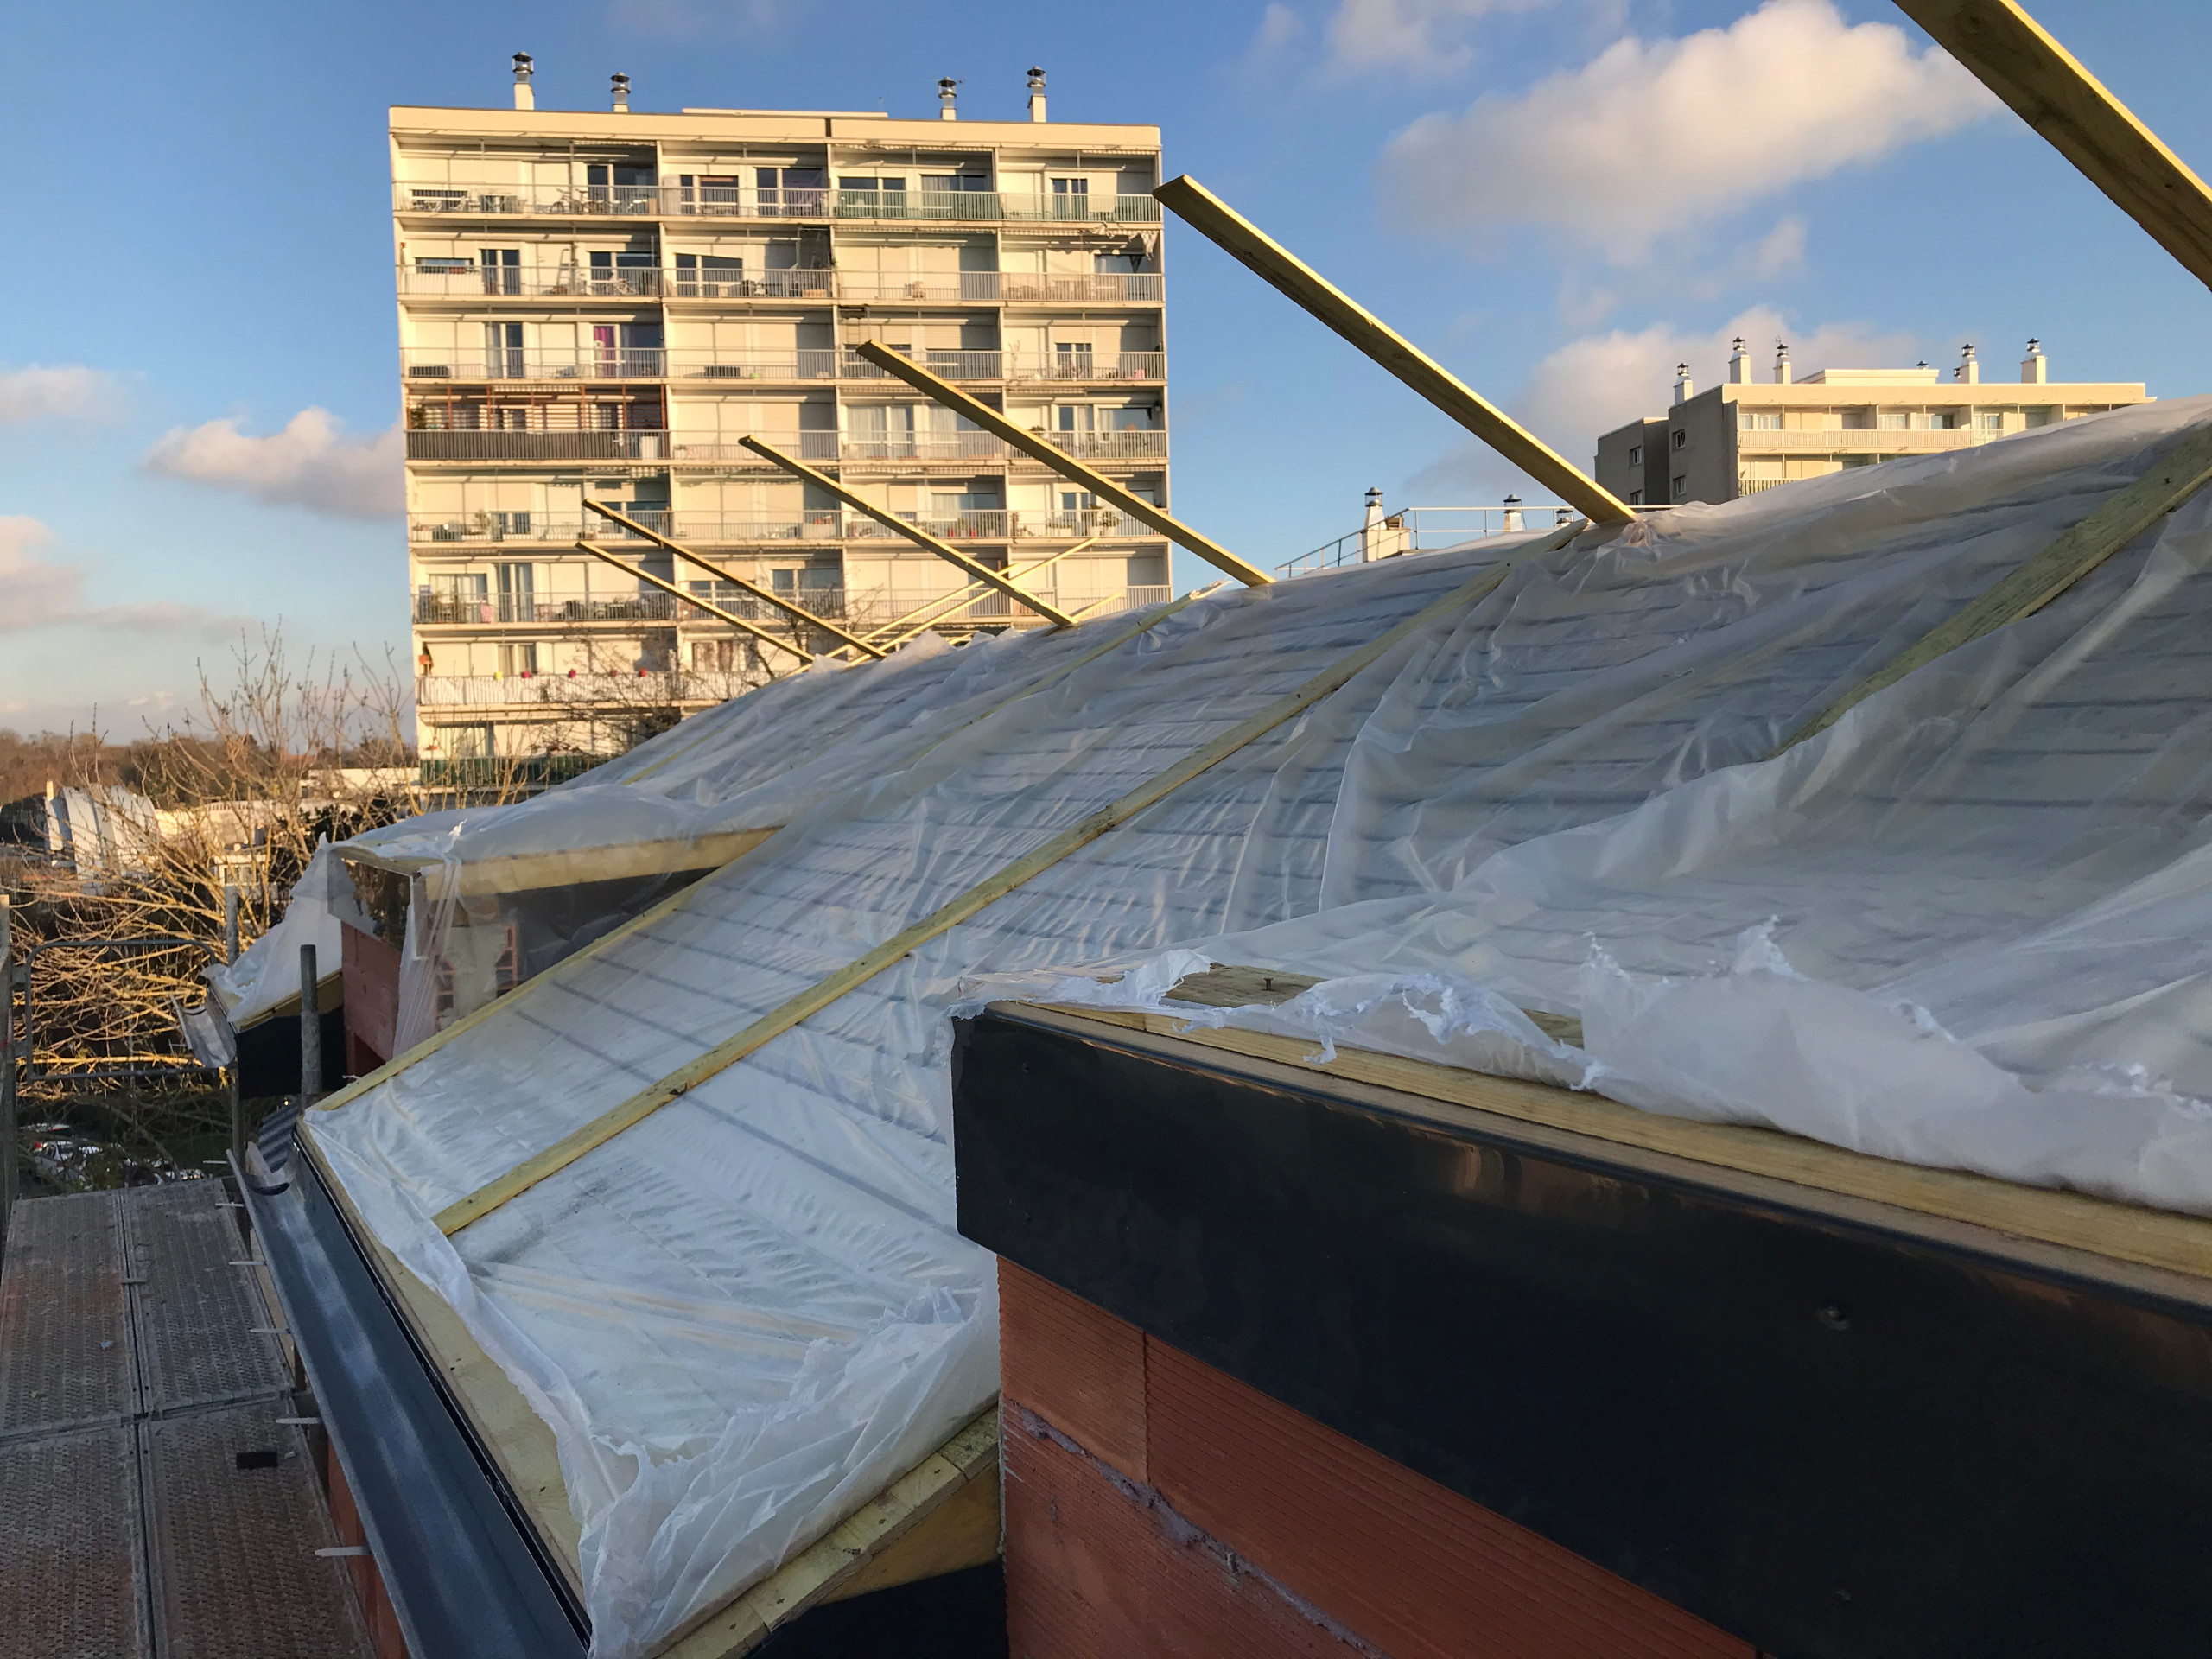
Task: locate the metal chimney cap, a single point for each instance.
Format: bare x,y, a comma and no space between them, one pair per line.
1374,493
1036,79
524,68
1740,343
947,88
2034,345
1512,500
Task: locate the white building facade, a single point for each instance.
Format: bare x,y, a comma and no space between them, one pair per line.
603,305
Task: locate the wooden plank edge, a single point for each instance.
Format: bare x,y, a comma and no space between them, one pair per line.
841,1555
2105,1227
511,1433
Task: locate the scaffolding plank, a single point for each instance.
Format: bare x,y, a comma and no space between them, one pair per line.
201,1324
65,1335
237,1576
72,1572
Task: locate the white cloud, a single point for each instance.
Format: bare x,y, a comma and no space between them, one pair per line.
1651,137
1279,27
58,391
1421,37
1592,385
312,463
36,592
1781,250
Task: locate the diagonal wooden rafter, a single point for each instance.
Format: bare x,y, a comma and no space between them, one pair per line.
2046,87
715,611
895,632
914,533
1037,447
798,613
1306,288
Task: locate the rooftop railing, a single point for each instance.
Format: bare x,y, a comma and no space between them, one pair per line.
740,200
1421,529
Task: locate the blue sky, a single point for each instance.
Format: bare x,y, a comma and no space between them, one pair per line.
1557,197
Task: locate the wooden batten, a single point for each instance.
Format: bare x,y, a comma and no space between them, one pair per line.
568,866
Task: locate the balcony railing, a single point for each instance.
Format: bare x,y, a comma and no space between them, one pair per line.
1136,443
921,445
1079,367
453,280
419,363
479,609
1079,288
826,524
793,284
974,286
806,446
516,526
458,279
509,690
750,202
947,366
538,445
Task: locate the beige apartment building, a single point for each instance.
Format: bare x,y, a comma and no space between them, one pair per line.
1748,435
603,304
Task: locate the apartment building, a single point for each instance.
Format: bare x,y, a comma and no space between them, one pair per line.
1750,435
602,304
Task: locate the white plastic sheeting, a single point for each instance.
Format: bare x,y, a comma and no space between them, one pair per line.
747,1312
267,973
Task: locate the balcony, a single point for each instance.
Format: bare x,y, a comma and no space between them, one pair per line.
805,445
1081,288
976,287
946,365
419,363
581,689
495,609
679,200
1137,443
502,527
479,446
440,279
793,284
921,445
1086,368
472,528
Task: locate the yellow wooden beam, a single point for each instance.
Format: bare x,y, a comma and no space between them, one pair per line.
1275,264
766,596
2185,468
914,533
715,611
1037,447
2046,87
890,635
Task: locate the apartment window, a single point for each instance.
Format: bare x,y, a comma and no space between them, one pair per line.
956,183
465,742
1072,358
1756,420
709,276
518,658
1989,422
1070,197
502,269
867,184
1681,439
503,353
1934,420
1680,486
1111,264
1894,419
1636,455
1078,501
707,192
1635,498
790,190
623,270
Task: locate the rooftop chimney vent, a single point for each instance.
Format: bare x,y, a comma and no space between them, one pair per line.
1781,363
525,98
2035,367
947,90
620,86
1036,93
1969,370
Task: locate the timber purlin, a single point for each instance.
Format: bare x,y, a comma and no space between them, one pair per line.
1826,1425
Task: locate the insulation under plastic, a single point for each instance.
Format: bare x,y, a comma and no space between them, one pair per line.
1965,925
